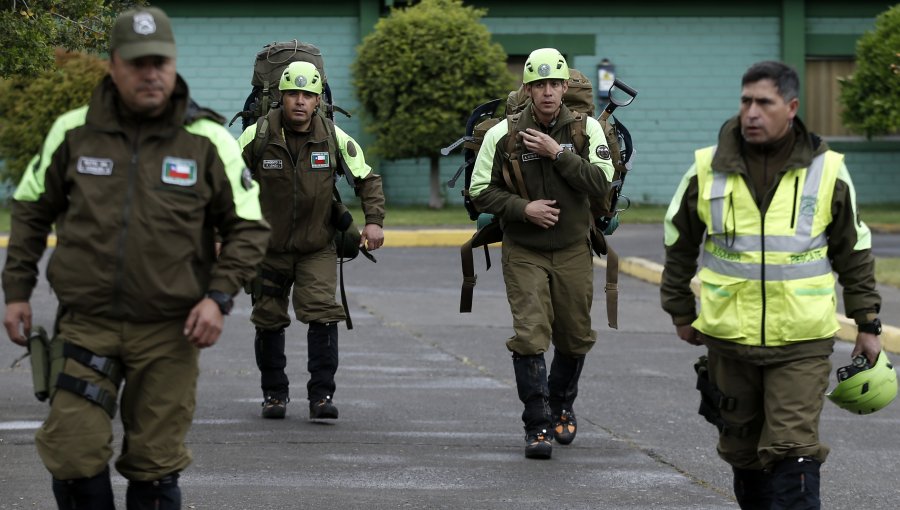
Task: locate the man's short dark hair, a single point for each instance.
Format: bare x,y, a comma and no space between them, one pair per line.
784,76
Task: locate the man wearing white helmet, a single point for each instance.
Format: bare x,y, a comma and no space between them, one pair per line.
546,253
296,166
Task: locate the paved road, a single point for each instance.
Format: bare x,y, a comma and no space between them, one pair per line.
430,418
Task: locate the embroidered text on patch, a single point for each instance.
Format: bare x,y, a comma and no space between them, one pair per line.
180,172
273,164
94,166
319,160
529,156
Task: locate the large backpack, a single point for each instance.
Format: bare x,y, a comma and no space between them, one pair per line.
270,62
604,210
268,67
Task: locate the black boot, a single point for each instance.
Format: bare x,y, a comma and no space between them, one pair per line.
322,350
271,361
531,382
94,493
752,488
563,384
795,484
162,494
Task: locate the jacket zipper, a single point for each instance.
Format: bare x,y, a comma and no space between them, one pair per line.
762,255
126,213
794,208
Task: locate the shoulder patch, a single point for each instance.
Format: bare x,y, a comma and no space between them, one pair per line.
246,178
351,149
603,152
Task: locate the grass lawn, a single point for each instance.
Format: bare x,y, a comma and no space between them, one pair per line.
887,271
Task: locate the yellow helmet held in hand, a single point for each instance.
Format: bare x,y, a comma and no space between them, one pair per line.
865,390
545,64
301,76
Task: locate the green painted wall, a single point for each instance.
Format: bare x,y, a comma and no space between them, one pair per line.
684,58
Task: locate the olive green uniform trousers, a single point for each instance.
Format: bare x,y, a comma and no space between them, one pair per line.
314,279
550,295
157,403
779,393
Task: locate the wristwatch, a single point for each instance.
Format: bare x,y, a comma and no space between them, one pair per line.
558,154
873,327
224,301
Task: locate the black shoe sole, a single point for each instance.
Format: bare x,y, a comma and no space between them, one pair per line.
538,451
274,414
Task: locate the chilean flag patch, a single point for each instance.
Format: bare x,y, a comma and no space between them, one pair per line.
319,160
180,172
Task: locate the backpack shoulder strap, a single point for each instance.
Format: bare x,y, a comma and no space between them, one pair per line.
512,160
259,141
578,130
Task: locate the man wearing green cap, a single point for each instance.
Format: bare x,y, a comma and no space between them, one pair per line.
296,165
547,263
138,183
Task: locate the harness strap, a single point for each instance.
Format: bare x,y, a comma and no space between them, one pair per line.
713,401
91,392
612,288
283,283
104,365
489,234
344,292
520,180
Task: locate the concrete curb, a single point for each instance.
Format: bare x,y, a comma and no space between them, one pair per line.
642,269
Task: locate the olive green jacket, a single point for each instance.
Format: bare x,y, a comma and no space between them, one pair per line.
570,180
849,240
137,205
296,196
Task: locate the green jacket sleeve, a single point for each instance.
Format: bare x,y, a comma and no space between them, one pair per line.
683,237
487,189
234,211
39,199
368,183
850,252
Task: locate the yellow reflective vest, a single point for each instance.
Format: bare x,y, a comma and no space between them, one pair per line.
766,280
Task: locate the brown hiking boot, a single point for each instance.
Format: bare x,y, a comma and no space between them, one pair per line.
274,408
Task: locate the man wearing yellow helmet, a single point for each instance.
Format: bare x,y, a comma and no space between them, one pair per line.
546,255
296,167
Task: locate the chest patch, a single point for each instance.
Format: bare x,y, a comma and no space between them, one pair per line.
319,160
807,205
94,166
180,172
567,147
603,152
529,156
273,164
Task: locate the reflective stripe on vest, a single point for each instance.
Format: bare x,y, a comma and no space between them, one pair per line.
766,278
800,242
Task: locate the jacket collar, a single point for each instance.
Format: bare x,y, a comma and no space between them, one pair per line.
106,113
318,131
729,157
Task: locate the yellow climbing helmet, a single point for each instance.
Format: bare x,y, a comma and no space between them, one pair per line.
301,76
865,390
545,64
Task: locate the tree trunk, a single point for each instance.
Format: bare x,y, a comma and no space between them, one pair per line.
436,200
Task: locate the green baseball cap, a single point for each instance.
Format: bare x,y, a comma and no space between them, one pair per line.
142,32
